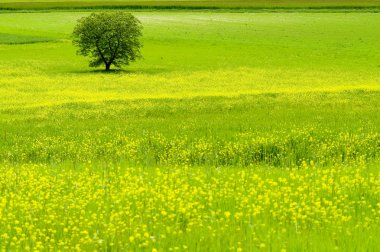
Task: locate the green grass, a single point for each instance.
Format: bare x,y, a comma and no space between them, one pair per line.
236,131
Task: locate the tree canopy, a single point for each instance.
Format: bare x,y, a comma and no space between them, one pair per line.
109,38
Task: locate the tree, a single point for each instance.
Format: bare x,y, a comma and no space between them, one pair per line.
109,38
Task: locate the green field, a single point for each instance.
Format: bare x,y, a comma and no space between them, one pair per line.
235,132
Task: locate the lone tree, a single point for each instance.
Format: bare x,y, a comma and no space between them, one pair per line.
108,38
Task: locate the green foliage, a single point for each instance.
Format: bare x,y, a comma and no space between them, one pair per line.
109,38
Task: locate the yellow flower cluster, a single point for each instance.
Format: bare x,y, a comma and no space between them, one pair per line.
92,207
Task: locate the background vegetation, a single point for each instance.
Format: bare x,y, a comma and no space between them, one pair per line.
195,4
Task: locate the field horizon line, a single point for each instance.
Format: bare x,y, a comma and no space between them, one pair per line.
190,5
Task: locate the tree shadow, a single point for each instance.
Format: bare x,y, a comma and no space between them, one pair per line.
120,71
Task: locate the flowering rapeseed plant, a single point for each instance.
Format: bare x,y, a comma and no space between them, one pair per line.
182,208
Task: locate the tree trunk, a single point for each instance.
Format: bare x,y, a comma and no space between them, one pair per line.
108,66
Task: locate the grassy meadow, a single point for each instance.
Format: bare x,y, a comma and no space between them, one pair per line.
235,132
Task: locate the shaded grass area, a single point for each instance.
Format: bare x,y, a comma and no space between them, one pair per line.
21,39
239,4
